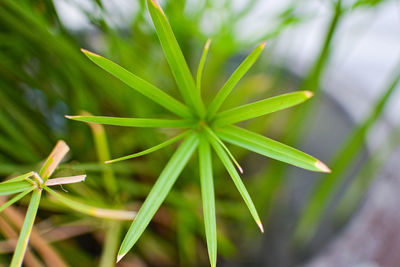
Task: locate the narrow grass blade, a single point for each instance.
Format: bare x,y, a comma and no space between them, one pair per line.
103,154
158,193
207,195
371,169
174,56
237,181
201,66
132,122
270,148
140,85
26,229
111,241
90,210
216,138
233,80
19,178
14,187
261,108
53,160
15,199
325,191
152,149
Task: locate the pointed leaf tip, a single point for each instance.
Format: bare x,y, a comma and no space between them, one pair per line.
322,166
119,257
259,223
262,45
240,169
157,5
87,52
309,94
68,116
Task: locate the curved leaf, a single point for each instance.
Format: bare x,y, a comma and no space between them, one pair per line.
270,148
140,85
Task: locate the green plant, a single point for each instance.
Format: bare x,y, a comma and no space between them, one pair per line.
35,183
203,129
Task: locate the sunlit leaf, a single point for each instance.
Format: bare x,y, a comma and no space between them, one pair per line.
261,108
140,85
207,195
233,80
158,193
152,149
270,148
26,229
14,187
132,122
174,56
237,181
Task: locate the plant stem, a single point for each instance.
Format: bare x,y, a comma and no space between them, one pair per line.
111,242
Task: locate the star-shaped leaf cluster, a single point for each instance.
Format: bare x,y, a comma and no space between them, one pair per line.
204,129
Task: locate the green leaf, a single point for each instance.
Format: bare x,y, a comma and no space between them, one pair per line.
174,56
103,154
270,148
215,137
19,178
237,181
9,188
110,214
140,85
201,66
26,229
158,193
233,80
152,149
207,195
261,108
132,122
15,199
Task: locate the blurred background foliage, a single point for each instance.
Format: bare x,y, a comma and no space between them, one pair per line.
44,76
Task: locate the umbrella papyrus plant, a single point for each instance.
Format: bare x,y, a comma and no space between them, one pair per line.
204,129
